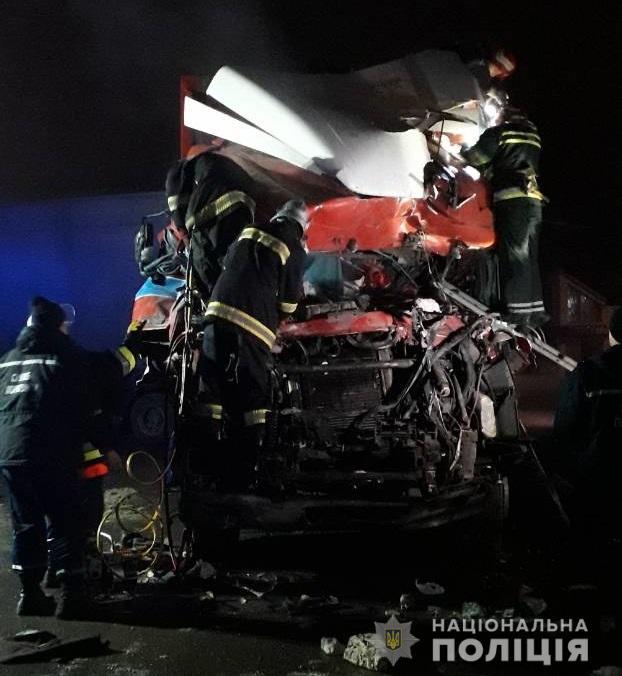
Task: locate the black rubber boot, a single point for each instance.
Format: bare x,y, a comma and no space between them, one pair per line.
74,604
51,581
32,600
272,475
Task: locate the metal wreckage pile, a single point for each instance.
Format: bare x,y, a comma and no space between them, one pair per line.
393,395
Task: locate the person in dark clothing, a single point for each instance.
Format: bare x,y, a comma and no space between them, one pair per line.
586,465
43,413
260,283
209,200
509,155
46,409
105,372
588,438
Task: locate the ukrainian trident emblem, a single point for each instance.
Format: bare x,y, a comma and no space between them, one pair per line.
393,638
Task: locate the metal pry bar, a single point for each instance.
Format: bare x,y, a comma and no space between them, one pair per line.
539,346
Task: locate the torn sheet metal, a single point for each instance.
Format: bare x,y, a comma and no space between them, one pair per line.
432,80
384,222
292,108
277,181
203,118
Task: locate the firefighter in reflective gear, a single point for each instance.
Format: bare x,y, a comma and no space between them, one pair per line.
105,372
209,199
509,154
260,283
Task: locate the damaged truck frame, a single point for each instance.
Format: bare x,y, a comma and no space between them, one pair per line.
393,403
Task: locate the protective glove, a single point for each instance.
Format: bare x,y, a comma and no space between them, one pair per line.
134,337
293,210
115,464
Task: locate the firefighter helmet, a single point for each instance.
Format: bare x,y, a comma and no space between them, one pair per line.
501,65
293,210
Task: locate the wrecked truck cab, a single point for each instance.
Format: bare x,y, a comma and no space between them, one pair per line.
393,405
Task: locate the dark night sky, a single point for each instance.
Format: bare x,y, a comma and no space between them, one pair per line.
89,97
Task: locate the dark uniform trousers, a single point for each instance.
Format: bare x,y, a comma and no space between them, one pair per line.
517,223
235,369
37,493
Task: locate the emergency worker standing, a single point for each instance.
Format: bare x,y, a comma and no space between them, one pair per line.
261,281
209,200
47,410
43,413
509,154
588,442
106,372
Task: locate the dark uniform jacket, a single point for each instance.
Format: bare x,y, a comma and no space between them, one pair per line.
509,154
209,198
261,278
106,371
44,401
588,429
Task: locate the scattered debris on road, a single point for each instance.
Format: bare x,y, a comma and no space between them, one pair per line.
331,646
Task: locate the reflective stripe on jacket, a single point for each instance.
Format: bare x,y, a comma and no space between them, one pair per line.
94,462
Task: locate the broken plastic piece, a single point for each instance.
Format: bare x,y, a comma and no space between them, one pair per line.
34,636
306,602
534,605
471,610
56,648
331,646
257,584
362,651
429,588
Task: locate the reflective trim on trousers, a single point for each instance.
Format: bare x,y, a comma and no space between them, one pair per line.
241,319
256,417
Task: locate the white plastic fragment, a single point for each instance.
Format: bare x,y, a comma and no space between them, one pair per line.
429,588
331,646
362,651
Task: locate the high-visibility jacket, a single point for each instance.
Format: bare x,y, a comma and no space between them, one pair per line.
261,279
509,156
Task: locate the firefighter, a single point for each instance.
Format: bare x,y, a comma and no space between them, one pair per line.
209,199
260,283
43,412
508,154
45,408
105,371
